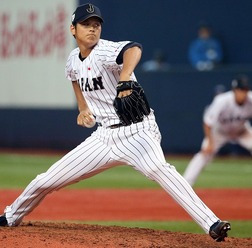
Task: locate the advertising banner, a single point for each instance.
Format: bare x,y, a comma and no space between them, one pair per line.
35,42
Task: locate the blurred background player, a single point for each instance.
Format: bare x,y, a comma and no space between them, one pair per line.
205,52
226,120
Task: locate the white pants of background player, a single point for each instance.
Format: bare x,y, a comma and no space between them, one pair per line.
137,145
201,159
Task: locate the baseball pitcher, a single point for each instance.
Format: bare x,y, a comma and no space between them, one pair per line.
107,92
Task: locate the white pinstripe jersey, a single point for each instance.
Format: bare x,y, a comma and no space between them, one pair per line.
97,76
226,115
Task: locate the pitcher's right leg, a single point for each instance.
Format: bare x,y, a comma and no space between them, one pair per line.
87,159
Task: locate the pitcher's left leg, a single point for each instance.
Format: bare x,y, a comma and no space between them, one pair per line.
146,155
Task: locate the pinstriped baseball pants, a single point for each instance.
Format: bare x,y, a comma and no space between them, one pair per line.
137,145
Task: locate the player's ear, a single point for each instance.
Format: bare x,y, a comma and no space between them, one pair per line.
73,29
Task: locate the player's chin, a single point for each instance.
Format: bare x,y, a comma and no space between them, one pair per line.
92,39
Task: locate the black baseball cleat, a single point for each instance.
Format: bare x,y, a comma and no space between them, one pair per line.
218,231
3,221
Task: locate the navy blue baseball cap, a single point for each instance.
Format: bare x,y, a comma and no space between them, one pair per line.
85,11
241,82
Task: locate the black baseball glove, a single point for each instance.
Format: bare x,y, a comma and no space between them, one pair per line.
131,108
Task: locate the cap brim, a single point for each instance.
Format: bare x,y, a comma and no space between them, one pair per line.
84,19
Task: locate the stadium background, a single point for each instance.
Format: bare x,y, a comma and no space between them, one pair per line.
37,106
38,110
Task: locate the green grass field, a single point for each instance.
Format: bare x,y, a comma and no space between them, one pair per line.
16,171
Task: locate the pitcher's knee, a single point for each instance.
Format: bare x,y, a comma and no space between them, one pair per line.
154,172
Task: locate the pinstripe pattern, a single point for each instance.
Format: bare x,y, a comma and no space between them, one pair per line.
137,145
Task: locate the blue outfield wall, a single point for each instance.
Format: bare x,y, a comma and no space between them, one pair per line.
178,98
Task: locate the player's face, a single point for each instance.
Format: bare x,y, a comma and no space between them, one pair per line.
240,96
88,32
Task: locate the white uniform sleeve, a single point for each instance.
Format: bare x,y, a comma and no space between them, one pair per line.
69,69
108,52
212,113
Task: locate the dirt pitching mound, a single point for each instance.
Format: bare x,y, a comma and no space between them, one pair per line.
65,235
